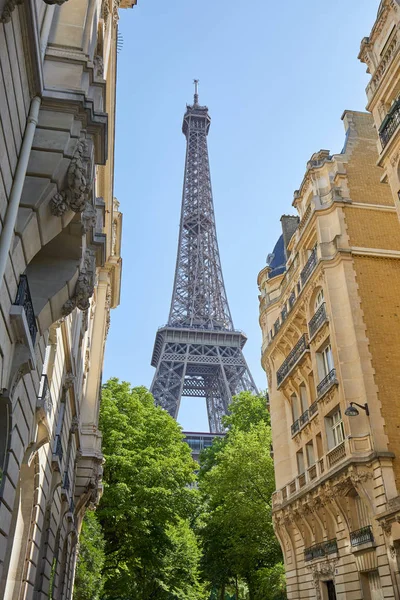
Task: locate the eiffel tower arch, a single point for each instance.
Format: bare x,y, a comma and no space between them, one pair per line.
199,352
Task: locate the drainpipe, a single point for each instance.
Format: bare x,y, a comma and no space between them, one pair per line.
6,235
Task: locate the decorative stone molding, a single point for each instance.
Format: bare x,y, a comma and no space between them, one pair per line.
79,181
386,527
322,571
115,9
69,381
8,9
84,286
99,65
88,217
74,424
105,10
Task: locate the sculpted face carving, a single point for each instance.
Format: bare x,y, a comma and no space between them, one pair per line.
84,286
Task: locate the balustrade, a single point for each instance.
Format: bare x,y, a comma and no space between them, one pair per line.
361,536
312,472
337,454
309,266
321,550
304,418
313,409
326,383
302,480
295,427
24,299
390,124
292,359
318,319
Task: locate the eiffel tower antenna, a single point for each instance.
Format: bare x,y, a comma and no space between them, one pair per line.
199,352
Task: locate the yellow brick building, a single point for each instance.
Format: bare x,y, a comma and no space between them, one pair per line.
330,319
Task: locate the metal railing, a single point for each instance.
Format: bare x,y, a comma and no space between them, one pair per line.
318,319
292,299
312,472
295,427
304,418
24,299
361,536
66,482
277,326
326,383
337,454
302,480
313,409
45,399
58,449
292,358
292,486
284,314
309,266
390,124
320,550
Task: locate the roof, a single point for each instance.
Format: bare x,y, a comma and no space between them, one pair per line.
277,259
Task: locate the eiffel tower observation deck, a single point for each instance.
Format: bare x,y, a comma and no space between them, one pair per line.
199,352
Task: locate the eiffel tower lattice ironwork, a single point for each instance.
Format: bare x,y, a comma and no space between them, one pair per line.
199,353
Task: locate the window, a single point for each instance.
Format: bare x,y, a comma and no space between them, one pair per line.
325,361
295,407
319,299
310,454
300,462
303,398
335,430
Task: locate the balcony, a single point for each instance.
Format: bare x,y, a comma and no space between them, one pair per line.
317,320
390,124
304,418
361,536
58,453
321,550
295,427
327,382
45,401
309,267
66,483
24,300
336,454
313,409
292,359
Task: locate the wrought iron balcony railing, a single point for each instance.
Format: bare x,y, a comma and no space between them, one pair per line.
320,550
361,536
292,299
292,359
45,399
304,418
66,482
295,427
309,266
327,382
390,124
24,299
313,409
284,314
58,449
318,319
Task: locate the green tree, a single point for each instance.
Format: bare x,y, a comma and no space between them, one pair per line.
89,579
150,551
236,483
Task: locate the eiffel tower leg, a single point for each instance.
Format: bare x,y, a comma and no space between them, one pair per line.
167,385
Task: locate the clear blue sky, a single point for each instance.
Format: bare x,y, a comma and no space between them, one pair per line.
276,77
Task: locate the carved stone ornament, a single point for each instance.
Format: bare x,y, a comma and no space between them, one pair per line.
99,65
69,381
115,9
74,425
386,527
105,10
8,9
84,286
79,181
88,217
322,571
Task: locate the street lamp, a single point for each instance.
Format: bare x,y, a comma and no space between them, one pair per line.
351,410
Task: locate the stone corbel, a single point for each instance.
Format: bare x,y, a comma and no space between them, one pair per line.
79,180
84,286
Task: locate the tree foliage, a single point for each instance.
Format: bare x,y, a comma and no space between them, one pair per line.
145,512
236,481
89,579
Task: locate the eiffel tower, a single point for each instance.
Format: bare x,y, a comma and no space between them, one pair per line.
199,352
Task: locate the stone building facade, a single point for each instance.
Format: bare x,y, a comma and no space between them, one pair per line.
330,319
60,270
381,53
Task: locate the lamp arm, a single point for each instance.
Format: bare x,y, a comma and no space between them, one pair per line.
363,406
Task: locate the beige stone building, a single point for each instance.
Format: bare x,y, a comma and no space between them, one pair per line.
330,319
60,270
381,53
